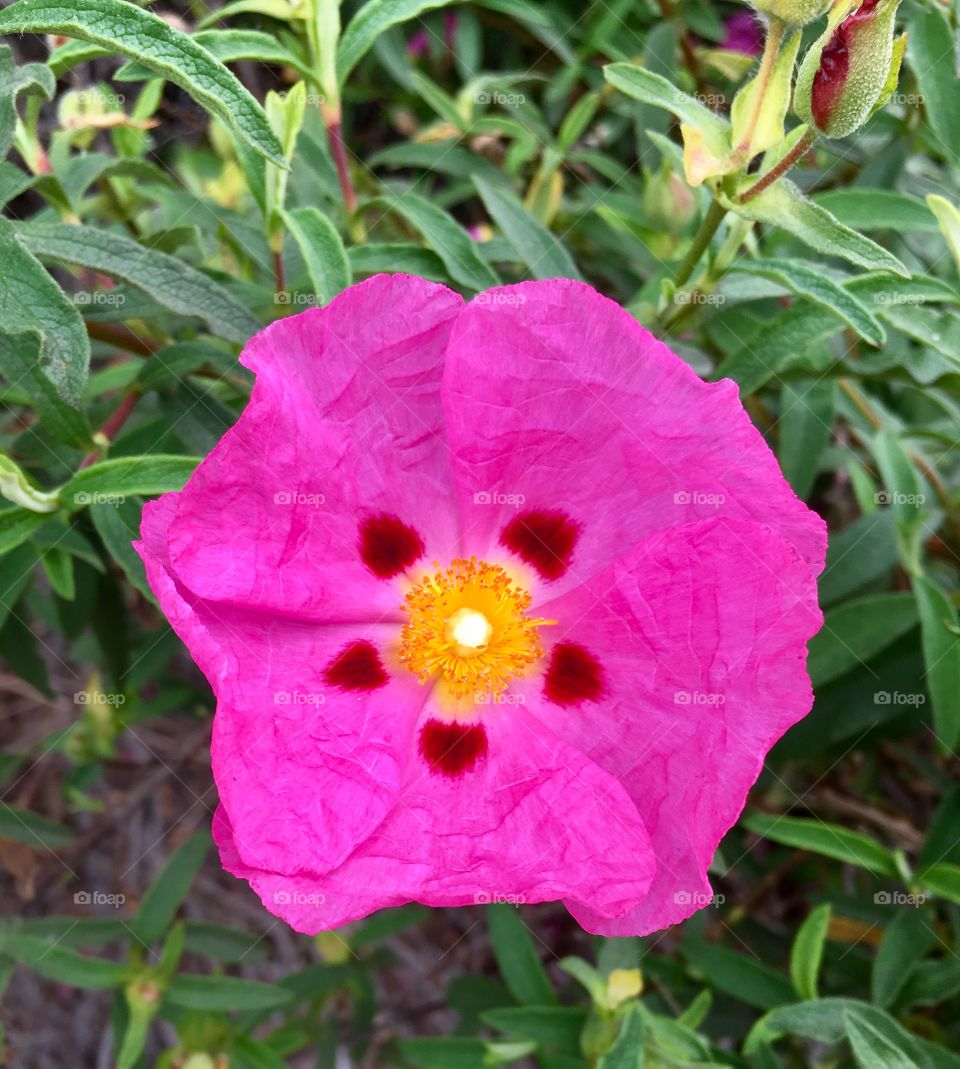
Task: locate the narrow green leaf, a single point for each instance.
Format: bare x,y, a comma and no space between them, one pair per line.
118,524
808,280
215,993
942,880
877,209
32,303
230,46
941,654
745,978
173,283
168,890
102,483
627,1051
540,250
806,954
17,525
931,51
807,410
62,964
35,831
855,632
517,957
558,1026
374,18
829,840
872,1050
784,206
650,88
322,249
906,941
448,239
120,26
13,81
942,842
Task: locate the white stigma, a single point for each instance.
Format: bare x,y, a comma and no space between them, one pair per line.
469,629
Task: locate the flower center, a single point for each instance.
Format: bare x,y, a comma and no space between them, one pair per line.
468,628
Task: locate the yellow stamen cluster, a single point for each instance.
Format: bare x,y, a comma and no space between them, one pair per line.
468,628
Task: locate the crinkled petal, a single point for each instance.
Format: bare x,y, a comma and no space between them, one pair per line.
344,423
559,403
700,636
533,821
308,768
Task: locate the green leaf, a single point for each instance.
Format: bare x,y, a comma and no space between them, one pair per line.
13,81
808,280
656,90
62,964
627,1051
441,1052
376,256
168,890
448,239
932,56
171,282
784,206
118,524
829,840
906,941
102,483
17,525
948,220
745,978
32,303
230,46
941,842
323,251
940,642
123,27
855,632
942,880
776,89
877,209
35,831
517,957
806,426
374,18
806,954
16,569
214,993
862,553
557,1026
58,567
540,250
872,1050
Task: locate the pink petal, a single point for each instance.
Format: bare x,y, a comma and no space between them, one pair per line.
701,636
307,768
533,821
558,401
344,423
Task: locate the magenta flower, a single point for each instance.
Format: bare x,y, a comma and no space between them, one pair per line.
498,600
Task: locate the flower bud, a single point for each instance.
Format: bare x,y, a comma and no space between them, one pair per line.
668,203
793,12
843,77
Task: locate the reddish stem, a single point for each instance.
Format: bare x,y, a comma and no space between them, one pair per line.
114,424
338,150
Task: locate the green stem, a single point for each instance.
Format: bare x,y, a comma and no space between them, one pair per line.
701,241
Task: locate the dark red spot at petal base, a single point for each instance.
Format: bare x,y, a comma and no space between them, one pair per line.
356,667
573,676
450,748
388,546
544,539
